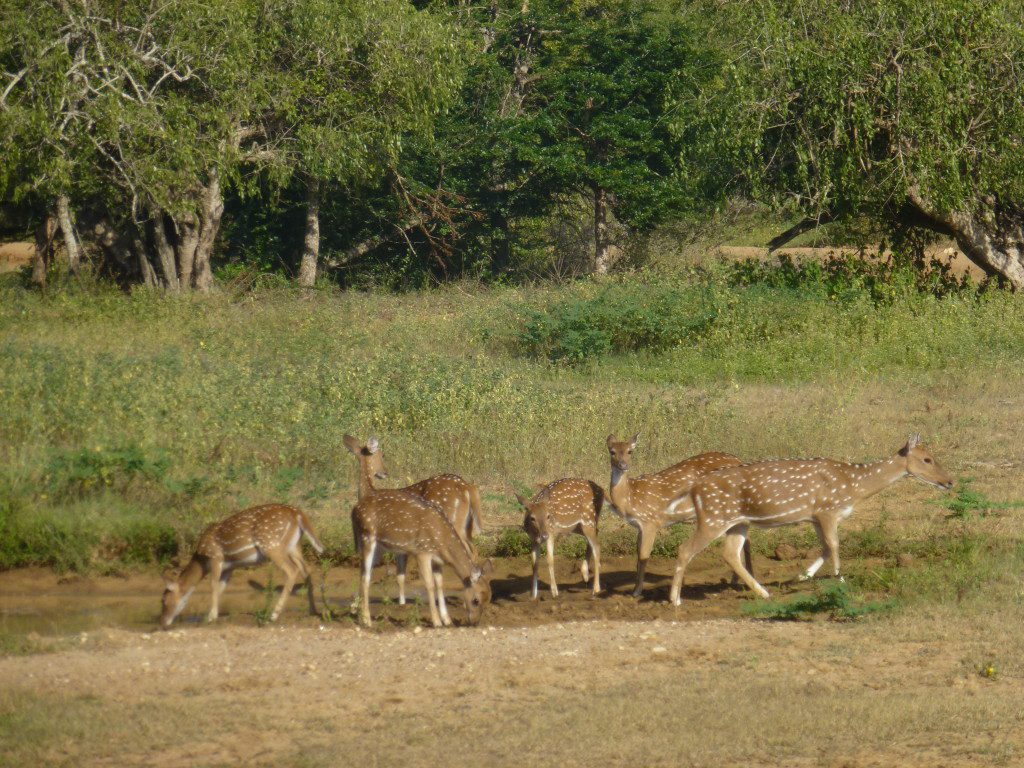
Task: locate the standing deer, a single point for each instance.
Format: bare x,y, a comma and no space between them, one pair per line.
788,491
407,524
569,505
655,501
459,500
250,537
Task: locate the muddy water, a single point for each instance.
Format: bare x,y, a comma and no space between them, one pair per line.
38,601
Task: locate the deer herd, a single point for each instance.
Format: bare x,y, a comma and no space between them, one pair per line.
435,519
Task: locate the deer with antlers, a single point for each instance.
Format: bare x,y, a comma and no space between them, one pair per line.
569,505
822,492
250,537
656,500
407,524
458,499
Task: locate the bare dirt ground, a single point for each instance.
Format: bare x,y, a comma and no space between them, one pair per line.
949,254
14,256
577,680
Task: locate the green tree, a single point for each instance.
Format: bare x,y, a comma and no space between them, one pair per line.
909,111
144,113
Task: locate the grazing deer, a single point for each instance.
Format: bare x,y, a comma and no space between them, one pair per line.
655,501
250,537
569,505
458,499
407,524
787,491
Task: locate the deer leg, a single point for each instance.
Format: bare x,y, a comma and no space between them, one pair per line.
735,538
401,561
702,536
535,558
426,564
291,574
644,545
442,605
585,564
594,551
307,577
369,550
813,567
216,567
551,565
830,535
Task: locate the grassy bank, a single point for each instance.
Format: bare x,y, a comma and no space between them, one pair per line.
128,422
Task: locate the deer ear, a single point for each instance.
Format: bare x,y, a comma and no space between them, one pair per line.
633,439
522,501
610,440
914,440
372,445
487,568
475,575
352,444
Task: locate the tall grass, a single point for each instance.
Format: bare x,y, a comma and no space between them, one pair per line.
127,422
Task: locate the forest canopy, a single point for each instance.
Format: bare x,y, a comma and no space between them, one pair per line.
159,141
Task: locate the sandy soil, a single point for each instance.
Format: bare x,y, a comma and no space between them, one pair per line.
13,256
946,254
610,681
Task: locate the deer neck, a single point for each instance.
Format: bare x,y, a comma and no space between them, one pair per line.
366,487
191,575
620,491
869,479
459,557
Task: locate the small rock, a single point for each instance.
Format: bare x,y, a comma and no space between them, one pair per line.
417,630
786,552
904,560
659,649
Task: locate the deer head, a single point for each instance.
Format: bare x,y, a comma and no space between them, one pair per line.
477,591
535,523
921,464
620,451
371,458
173,601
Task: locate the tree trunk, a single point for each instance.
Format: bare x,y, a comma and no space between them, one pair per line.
602,248
992,238
45,233
149,276
311,245
210,215
67,229
165,252
188,241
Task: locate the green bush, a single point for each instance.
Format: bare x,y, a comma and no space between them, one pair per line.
834,599
86,470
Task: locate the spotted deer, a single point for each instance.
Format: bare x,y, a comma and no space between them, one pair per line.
569,505
457,498
407,524
780,492
657,500
250,537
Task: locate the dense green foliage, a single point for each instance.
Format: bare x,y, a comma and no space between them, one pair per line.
128,422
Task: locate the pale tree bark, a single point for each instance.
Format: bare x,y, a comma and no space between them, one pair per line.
165,253
67,229
188,241
311,244
992,237
45,233
602,246
210,215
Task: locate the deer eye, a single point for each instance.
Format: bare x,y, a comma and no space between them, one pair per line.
927,461
476,601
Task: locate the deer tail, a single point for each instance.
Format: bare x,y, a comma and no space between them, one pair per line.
474,508
310,534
